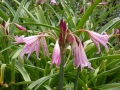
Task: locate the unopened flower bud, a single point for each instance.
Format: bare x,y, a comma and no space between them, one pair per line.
118,31
63,25
20,27
5,26
103,3
81,9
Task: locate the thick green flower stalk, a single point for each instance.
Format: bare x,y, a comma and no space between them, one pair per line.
59,53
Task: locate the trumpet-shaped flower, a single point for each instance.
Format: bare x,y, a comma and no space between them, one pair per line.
99,39
32,43
80,58
56,57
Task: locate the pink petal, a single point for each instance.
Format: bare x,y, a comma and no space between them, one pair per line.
80,58
19,39
56,58
44,46
76,54
25,49
37,48
30,39
31,50
83,57
28,49
99,39
97,45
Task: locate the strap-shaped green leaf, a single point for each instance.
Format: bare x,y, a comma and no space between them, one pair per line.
40,81
22,70
2,73
109,24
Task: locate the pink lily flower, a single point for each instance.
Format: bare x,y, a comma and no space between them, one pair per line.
53,2
80,58
32,43
99,39
56,57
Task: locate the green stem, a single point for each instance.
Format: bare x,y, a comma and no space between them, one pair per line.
76,79
13,73
61,74
13,70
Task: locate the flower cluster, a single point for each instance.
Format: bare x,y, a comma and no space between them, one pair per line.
80,58
66,37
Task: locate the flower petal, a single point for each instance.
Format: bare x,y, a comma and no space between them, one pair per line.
32,43
99,39
44,46
56,58
37,48
80,58
19,39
